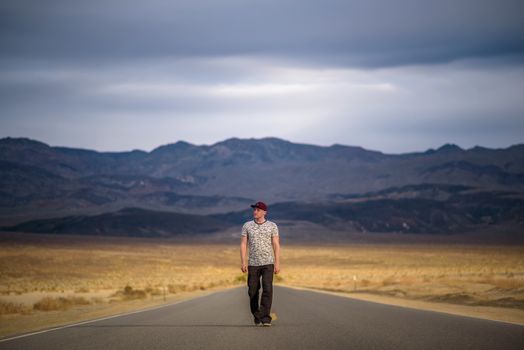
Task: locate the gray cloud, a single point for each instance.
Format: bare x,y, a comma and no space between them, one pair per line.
391,109
392,76
362,33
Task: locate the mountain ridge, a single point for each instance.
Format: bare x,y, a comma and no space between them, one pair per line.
41,182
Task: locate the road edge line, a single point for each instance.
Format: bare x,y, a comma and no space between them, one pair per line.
408,307
113,316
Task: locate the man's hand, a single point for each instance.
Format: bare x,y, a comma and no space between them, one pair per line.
244,268
277,268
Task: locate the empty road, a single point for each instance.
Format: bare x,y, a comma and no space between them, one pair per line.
305,320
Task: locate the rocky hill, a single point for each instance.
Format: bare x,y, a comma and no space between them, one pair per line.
446,190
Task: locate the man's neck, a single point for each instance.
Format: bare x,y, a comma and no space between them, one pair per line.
260,221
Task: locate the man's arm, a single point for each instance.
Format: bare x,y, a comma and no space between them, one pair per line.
243,253
276,249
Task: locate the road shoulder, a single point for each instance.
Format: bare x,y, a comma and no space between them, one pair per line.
508,315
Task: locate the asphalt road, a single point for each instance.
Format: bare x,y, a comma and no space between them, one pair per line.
305,320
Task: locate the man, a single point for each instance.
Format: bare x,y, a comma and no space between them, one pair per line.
264,258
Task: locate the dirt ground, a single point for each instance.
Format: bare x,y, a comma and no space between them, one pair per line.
48,280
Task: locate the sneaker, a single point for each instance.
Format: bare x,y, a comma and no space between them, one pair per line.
266,324
258,323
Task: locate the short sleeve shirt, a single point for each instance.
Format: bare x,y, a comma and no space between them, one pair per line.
259,241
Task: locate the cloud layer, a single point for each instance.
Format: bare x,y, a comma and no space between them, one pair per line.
391,76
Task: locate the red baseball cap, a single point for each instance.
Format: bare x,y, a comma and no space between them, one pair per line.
260,205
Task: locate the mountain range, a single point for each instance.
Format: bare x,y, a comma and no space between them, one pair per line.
182,188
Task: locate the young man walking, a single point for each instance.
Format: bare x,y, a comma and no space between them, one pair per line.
264,260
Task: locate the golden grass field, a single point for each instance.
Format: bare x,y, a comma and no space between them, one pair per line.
47,281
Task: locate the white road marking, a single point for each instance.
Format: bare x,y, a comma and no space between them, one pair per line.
112,316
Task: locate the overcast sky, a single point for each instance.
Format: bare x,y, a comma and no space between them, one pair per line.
393,76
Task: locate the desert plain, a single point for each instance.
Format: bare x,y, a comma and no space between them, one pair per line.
50,280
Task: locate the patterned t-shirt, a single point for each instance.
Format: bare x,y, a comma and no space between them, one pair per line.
259,241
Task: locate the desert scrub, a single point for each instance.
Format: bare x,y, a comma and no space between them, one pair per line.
13,308
59,303
154,291
128,293
240,278
176,288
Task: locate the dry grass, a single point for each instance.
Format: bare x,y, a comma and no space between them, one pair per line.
472,275
13,308
89,273
146,267
60,303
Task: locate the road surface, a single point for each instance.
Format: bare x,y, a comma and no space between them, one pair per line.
305,320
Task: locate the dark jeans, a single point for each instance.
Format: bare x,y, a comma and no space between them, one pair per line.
260,313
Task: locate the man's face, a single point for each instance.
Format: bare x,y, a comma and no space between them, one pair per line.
258,213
